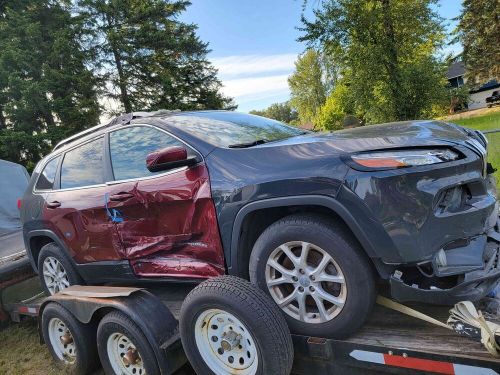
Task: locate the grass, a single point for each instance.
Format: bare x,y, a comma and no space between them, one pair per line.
488,121
21,352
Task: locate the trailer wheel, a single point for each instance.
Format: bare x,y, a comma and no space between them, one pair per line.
123,348
71,343
229,326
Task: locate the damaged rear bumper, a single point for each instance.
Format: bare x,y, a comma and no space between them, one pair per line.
470,285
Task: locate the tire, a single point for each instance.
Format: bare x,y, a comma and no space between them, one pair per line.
52,252
349,302
262,345
77,357
117,329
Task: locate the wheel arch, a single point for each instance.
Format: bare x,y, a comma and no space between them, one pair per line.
274,209
36,239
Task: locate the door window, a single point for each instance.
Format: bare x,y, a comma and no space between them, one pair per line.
129,148
83,166
48,175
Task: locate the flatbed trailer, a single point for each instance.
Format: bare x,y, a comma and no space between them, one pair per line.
389,342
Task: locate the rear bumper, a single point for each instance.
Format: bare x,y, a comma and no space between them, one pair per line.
471,285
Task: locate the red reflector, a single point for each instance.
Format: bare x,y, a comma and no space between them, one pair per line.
420,364
19,204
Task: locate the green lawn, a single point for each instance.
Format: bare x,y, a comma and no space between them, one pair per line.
490,121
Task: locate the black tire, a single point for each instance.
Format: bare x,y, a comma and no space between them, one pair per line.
117,322
52,250
255,310
339,244
83,336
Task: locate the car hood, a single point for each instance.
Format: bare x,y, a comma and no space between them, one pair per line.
383,136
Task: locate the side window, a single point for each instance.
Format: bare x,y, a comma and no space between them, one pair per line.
48,175
130,146
83,166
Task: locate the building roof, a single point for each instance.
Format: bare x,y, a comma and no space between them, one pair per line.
456,69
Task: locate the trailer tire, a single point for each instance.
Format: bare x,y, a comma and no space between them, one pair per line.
70,275
119,337
80,339
227,326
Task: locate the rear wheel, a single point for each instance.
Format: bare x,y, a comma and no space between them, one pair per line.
316,273
123,348
55,271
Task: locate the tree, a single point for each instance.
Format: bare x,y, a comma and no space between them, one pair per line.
46,90
307,89
148,57
279,111
330,115
386,51
479,32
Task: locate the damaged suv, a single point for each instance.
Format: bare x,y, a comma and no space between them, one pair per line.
315,220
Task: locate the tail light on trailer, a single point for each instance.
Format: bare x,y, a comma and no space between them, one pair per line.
19,204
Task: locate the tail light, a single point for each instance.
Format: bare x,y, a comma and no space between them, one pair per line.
19,204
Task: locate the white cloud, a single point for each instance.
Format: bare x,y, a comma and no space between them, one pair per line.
250,65
255,81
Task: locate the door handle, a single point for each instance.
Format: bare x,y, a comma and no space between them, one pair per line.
120,197
54,204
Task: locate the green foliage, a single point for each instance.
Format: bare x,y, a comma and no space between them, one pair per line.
385,50
149,58
308,91
278,111
330,116
479,32
46,90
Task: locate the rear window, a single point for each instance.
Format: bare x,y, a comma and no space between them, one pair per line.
48,175
223,129
83,166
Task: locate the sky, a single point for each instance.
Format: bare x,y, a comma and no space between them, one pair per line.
254,44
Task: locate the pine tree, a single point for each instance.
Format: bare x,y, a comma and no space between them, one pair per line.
47,92
149,58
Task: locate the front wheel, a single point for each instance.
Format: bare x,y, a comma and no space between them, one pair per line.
316,273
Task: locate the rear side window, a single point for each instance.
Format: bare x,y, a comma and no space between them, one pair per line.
48,175
130,146
83,166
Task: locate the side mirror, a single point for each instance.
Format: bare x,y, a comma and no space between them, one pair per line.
168,158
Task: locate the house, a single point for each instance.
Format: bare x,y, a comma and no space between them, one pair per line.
456,78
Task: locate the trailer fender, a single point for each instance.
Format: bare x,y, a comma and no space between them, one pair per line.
90,303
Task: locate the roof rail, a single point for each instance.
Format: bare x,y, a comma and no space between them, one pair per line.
119,120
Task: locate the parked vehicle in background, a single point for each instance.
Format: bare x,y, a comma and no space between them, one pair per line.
313,219
493,99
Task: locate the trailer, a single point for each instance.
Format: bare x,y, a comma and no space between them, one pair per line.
389,342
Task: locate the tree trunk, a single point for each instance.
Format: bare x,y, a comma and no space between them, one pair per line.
3,124
122,83
391,62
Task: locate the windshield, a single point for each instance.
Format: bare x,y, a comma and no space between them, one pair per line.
225,129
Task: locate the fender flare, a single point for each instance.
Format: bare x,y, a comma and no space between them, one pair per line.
44,233
301,200
152,317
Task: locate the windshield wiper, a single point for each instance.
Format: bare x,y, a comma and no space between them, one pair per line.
249,144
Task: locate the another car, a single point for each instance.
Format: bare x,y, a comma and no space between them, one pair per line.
314,219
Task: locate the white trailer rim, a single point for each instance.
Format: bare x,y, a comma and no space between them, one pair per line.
120,347
61,341
225,343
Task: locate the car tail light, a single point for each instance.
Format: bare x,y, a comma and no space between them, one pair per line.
19,204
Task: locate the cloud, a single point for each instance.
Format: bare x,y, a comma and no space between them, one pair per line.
255,81
251,65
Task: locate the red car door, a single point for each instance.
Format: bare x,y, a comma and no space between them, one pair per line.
166,220
74,209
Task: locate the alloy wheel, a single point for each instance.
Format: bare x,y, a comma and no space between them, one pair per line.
306,282
54,275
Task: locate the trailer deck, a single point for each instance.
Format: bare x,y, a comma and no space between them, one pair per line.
388,342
